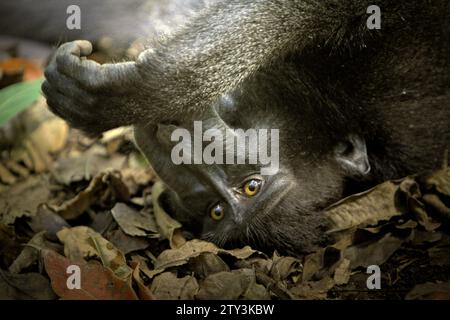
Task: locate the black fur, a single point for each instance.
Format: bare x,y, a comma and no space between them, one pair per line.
310,68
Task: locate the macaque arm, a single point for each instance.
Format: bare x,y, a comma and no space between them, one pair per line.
182,76
231,40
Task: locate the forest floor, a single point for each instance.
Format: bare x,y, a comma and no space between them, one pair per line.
67,200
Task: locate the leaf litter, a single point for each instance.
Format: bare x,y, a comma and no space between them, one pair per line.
69,200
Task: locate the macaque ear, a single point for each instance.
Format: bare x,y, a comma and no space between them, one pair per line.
352,155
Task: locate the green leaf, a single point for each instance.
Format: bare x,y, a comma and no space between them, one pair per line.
18,97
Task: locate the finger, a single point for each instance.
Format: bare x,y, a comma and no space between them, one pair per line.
70,60
63,106
67,86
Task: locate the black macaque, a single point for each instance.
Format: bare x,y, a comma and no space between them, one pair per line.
354,107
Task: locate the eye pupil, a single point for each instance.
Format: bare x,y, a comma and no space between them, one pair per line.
217,213
251,188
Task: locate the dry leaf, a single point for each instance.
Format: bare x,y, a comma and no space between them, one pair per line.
430,291
48,221
166,224
23,199
144,293
375,253
133,222
30,286
167,286
82,242
85,167
6,176
285,267
366,208
230,286
177,257
342,272
127,244
313,290
439,256
440,180
206,264
30,253
50,136
102,188
10,245
97,282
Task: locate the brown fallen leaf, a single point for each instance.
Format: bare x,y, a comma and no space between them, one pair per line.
33,136
194,248
440,181
102,222
411,191
206,264
430,291
177,257
241,253
87,165
366,208
29,286
30,253
6,176
135,178
143,266
144,293
422,237
231,286
133,222
342,272
284,268
51,136
82,242
438,205
321,263
97,282
259,264
279,289
10,245
167,286
48,221
17,169
127,244
24,198
40,160
315,290
166,224
439,256
374,253
103,188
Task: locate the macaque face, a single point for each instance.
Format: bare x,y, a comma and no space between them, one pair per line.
234,204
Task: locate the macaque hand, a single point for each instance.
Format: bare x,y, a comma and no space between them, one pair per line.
89,96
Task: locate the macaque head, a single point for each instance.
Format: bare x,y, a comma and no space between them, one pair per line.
309,150
235,204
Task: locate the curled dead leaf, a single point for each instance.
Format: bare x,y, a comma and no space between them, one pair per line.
97,282
83,242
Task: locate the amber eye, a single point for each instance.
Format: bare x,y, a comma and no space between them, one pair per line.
217,213
251,187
